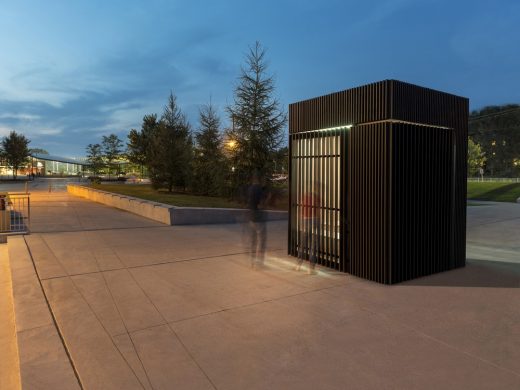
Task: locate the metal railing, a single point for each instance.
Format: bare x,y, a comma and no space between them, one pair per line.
15,213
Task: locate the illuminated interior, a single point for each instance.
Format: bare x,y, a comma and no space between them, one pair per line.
316,169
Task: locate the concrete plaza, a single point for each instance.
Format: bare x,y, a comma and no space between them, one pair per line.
108,300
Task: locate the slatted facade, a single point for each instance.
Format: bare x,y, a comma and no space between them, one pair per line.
394,157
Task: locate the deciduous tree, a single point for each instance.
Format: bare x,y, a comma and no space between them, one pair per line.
112,147
476,158
15,151
95,157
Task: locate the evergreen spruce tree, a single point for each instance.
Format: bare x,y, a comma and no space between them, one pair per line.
138,145
209,164
171,149
258,120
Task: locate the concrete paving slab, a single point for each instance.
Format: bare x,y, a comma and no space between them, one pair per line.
495,224
9,363
73,251
230,326
94,290
307,341
99,362
479,321
127,348
65,213
105,256
135,308
174,300
79,251
31,308
43,359
47,263
223,283
497,253
43,362
167,362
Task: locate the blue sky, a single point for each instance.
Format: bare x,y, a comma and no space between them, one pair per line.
72,71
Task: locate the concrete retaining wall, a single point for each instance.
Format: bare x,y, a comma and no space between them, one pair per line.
170,215
157,211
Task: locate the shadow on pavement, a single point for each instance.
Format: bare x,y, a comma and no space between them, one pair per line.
477,273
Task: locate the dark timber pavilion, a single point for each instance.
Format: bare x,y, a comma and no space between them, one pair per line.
387,162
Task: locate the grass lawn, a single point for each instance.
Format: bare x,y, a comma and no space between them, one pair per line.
494,191
176,199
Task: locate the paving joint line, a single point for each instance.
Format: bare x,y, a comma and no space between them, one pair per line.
171,329
53,254
228,309
53,316
438,341
322,289
108,334
36,327
90,307
124,324
100,229
143,265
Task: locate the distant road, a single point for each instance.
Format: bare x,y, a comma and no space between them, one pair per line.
39,184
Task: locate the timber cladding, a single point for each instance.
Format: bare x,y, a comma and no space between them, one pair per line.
387,162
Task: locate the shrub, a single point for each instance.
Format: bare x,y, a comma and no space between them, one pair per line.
95,179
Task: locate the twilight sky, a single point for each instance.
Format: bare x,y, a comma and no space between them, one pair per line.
72,71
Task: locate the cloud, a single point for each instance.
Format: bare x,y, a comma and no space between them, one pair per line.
76,73
21,117
378,13
4,131
26,94
50,131
122,120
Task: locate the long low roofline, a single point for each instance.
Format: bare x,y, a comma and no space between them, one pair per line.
48,157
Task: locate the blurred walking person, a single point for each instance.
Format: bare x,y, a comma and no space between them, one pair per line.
309,245
255,196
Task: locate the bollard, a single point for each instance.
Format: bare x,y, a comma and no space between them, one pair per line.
50,187
26,187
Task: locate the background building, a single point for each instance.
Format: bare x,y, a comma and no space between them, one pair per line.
48,165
